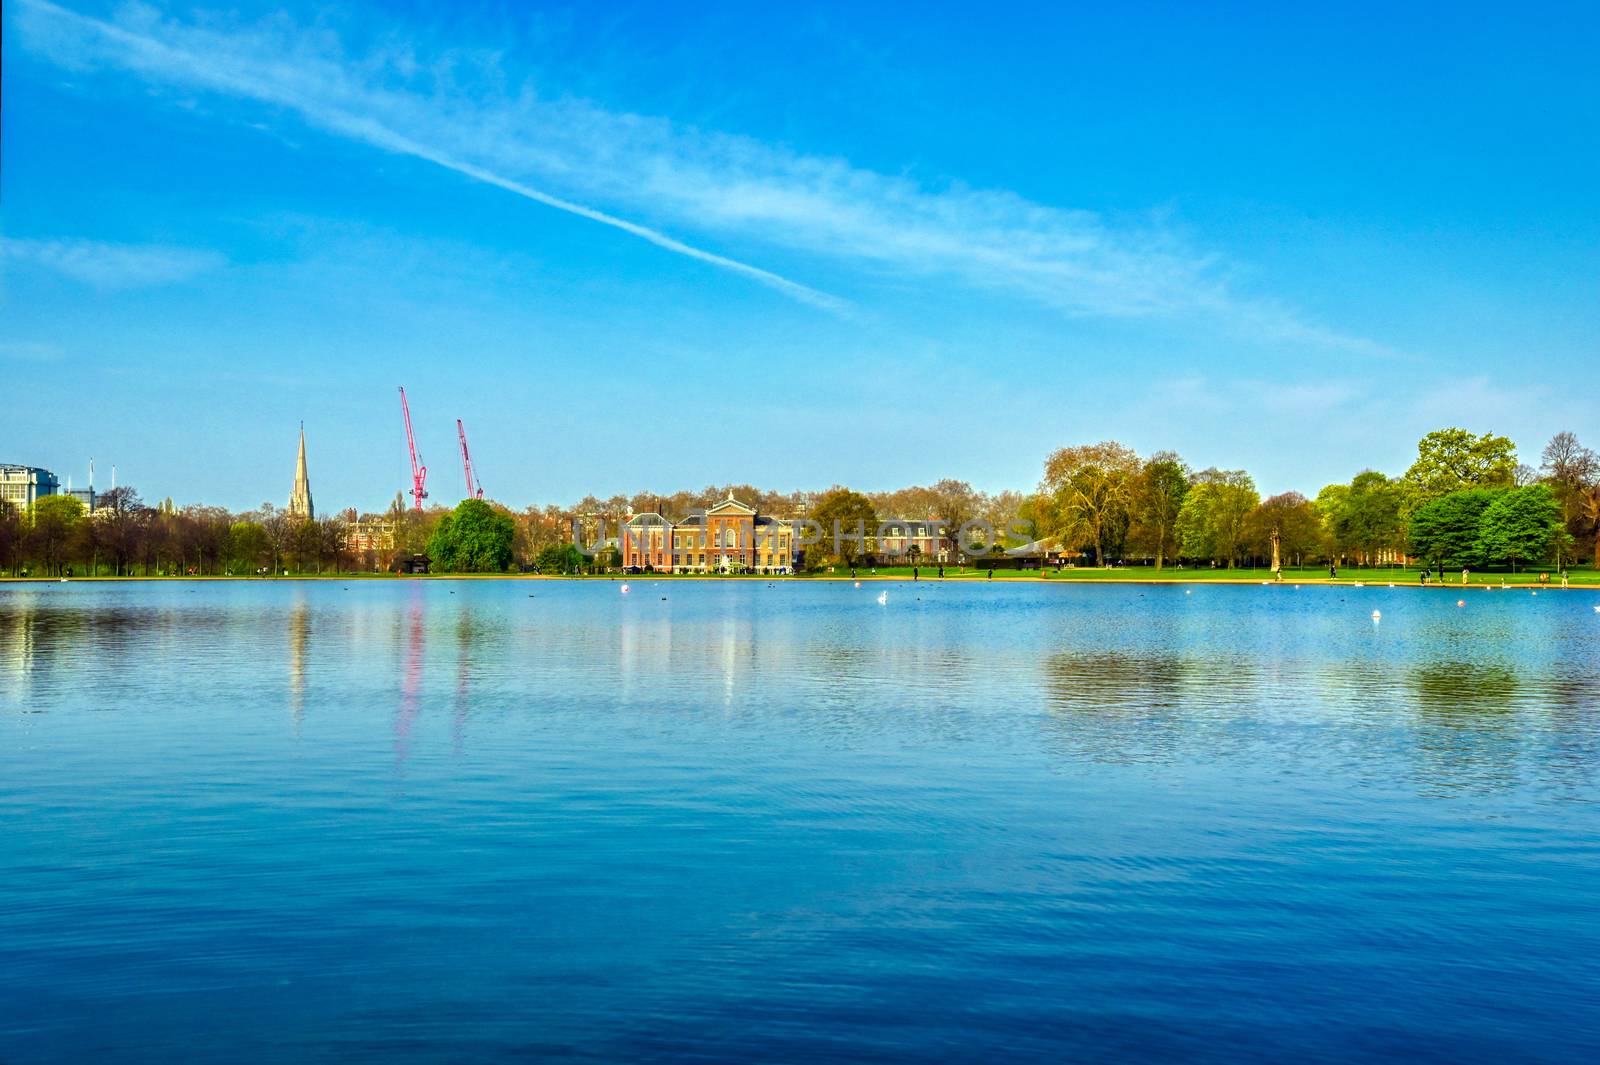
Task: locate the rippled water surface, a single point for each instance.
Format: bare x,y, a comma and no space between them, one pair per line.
484,821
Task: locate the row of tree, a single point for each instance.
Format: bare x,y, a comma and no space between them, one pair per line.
1465,500
58,536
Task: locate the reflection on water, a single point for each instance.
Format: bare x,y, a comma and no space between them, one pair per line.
738,821
1126,708
411,685
1486,725
299,638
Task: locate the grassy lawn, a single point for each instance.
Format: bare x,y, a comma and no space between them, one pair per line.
1586,577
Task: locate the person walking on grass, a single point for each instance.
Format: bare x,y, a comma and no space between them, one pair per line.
1464,572
1423,577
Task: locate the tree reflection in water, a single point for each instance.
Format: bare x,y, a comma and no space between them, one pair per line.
1116,707
1472,721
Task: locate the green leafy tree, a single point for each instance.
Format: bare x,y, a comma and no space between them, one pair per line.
1211,524
1363,519
559,558
1288,522
53,525
249,547
854,514
1091,489
1448,529
474,538
1158,495
1330,504
1449,460
10,537
1522,525
1373,523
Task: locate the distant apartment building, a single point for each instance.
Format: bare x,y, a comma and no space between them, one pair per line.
375,536
21,486
914,540
729,537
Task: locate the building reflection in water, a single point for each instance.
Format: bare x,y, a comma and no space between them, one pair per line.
644,647
53,648
411,673
299,641
17,648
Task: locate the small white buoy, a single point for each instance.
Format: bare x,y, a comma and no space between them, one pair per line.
1187,591
624,589
1461,602
1535,593
858,584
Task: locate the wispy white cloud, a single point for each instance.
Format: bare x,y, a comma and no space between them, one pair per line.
456,110
110,266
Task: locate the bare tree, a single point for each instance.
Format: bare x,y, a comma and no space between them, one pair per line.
1567,462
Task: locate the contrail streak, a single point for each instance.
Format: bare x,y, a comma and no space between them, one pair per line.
156,57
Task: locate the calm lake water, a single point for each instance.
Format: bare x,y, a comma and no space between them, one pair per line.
487,821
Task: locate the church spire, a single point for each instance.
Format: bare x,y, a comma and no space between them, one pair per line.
300,502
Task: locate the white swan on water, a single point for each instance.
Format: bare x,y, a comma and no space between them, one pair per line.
883,597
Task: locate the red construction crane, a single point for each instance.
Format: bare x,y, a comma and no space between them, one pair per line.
419,472
473,491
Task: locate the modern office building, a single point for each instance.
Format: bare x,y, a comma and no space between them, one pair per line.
22,485
87,496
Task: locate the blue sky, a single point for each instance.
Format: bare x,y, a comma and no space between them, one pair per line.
662,246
